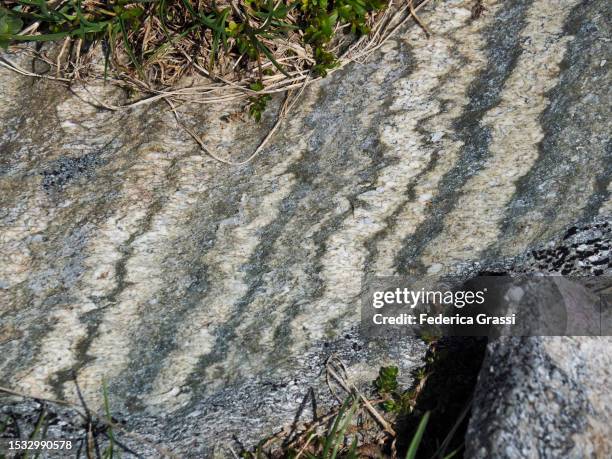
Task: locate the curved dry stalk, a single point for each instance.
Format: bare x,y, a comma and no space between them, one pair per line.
289,102
342,380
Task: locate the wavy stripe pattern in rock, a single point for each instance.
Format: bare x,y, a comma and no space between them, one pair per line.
130,256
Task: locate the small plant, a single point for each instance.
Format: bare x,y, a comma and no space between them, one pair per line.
325,61
395,400
387,386
335,438
386,382
258,104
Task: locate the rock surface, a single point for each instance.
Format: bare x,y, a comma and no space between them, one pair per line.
548,396
543,397
210,296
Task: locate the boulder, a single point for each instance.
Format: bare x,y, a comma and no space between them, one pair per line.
209,296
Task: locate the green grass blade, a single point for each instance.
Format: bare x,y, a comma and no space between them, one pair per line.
264,49
44,37
451,434
329,441
189,7
453,453
341,432
418,436
352,454
108,453
33,435
129,49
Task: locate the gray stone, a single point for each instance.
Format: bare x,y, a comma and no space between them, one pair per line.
131,256
543,397
548,396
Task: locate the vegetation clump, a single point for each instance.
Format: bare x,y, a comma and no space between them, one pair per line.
244,49
159,41
200,51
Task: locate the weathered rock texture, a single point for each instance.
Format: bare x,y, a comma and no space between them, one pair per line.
543,398
549,397
209,296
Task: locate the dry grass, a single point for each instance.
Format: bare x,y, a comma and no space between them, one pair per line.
156,51
200,51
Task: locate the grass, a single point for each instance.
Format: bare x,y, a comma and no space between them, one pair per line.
110,451
339,440
201,51
246,50
428,419
159,40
